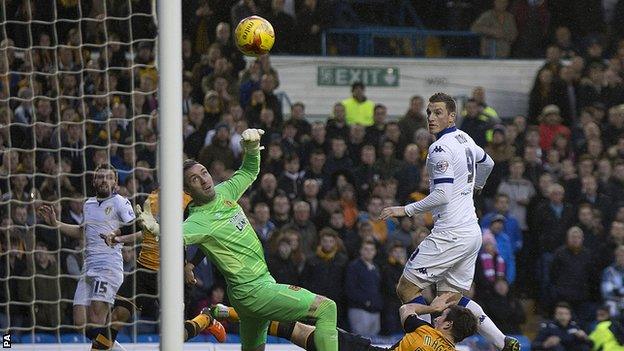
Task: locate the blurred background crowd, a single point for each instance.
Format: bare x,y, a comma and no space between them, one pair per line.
552,212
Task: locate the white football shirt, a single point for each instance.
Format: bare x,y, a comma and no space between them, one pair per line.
452,159
101,217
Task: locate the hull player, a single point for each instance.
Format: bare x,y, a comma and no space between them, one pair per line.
145,298
453,325
105,213
218,225
457,167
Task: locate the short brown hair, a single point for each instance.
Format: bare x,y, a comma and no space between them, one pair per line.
106,166
446,99
464,322
188,163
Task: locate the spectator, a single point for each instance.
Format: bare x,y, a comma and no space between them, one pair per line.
612,285
542,94
268,84
337,124
318,141
358,109
504,245
592,88
46,285
242,9
387,164
519,192
561,333
414,118
280,215
475,123
262,223
316,169
511,225
490,267
563,40
498,30
532,20
311,190
298,116
357,134
303,225
608,333
338,160
284,24
280,261
228,49
568,87
570,274
391,271
219,149
550,126
324,271
377,129
267,190
504,309
501,152
478,94
348,203
408,176
363,288
312,18
367,173
402,234
381,228
291,179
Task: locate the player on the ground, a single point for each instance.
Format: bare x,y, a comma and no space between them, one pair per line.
218,225
105,213
453,325
457,167
145,298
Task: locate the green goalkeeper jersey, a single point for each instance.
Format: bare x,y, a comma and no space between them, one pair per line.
221,229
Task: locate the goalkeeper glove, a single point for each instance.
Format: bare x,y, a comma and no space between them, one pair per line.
146,219
251,140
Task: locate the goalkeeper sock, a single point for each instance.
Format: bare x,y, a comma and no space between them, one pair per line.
325,335
196,325
299,334
486,327
100,338
421,301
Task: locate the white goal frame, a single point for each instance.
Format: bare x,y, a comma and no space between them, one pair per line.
170,152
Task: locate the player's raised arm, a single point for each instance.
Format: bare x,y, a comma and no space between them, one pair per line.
484,167
234,187
49,216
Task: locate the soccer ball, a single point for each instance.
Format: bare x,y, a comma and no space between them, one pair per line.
254,36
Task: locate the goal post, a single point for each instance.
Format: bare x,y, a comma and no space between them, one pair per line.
170,150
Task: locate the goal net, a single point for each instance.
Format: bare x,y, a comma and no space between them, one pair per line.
77,89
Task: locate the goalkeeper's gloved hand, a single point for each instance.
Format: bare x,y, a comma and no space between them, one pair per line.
146,219
251,139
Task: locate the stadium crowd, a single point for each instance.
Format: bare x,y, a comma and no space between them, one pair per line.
552,212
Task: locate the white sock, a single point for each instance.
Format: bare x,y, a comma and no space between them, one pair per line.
486,327
117,347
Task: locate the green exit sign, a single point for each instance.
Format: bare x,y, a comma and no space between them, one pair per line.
346,75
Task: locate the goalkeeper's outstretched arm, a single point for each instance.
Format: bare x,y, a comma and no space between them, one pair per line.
242,179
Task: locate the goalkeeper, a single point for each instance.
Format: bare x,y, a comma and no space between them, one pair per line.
218,225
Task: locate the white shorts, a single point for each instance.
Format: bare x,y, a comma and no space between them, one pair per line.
446,259
98,285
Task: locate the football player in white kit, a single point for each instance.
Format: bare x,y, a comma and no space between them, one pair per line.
105,213
457,167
